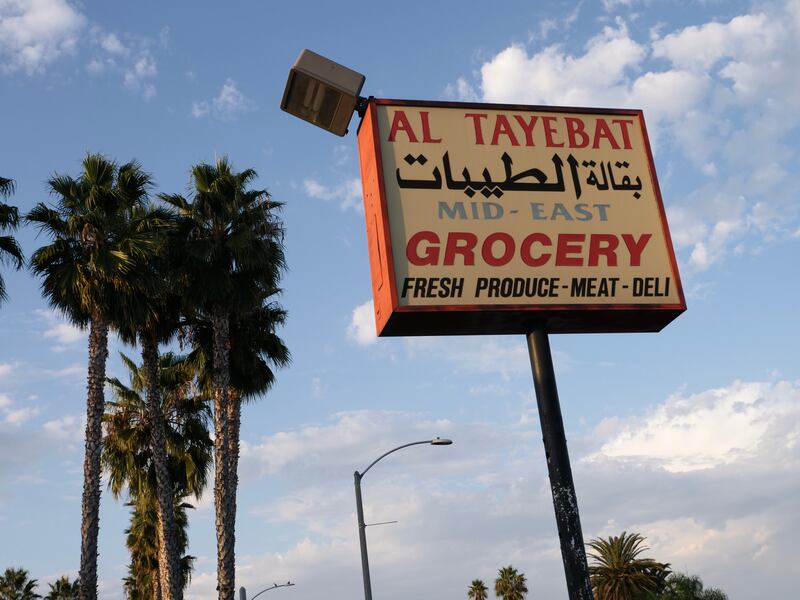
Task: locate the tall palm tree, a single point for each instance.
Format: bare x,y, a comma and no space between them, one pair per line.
128,458
9,220
150,316
255,351
228,235
509,584
63,589
84,269
618,573
15,584
477,590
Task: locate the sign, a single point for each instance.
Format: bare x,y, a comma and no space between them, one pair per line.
487,218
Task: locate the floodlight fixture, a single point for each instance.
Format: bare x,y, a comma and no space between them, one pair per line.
322,92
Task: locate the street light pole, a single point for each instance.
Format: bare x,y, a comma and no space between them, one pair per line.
362,537
362,527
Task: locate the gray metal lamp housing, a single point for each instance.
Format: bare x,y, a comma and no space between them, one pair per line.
322,92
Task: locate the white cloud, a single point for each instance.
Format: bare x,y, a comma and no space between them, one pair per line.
229,104
612,5
503,355
18,416
35,33
598,77
13,414
347,440
112,44
70,371
710,429
62,332
68,427
362,325
139,74
701,47
126,55
723,95
348,193
6,369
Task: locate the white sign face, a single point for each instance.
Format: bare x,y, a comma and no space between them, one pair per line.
517,208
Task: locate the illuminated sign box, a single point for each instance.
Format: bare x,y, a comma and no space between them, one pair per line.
492,219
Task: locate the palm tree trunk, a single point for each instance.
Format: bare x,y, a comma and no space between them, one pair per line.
169,561
157,585
224,507
90,506
234,413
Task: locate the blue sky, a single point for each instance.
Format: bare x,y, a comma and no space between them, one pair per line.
690,436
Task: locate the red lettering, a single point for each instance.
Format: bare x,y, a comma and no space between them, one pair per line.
602,130
568,245
476,120
430,255
575,129
503,127
508,252
549,130
400,123
636,247
527,127
623,125
426,129
525,250
603,244
463,243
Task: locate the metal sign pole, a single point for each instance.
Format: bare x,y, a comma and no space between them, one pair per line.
565,503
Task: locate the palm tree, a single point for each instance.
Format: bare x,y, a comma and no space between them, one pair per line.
255,351
84,270
9,220
144,580
618,573
228,235
509,584
63,589
128,457
477,590
150,315
681,586
16,585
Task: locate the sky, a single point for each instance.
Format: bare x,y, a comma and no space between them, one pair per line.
690,436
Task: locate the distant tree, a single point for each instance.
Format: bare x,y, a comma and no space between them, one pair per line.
129,461
16,585
63,589
144,579
682,586
618,573
477,590
9,220
509,584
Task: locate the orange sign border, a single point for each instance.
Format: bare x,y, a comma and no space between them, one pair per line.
391,319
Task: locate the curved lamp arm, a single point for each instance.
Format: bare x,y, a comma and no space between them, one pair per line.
435,442
274,585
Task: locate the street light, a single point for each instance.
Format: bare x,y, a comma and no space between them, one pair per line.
322,92
243,592
362,533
